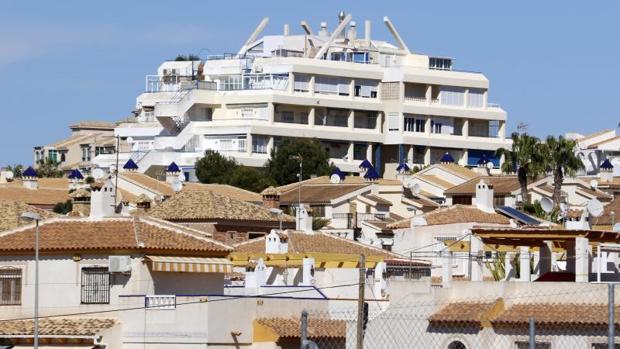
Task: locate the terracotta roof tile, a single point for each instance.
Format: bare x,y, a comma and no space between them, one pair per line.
109,233
317,328
459,170
455,214
41,196
150,183
207,205
57,327
378,199
317,194
94,124
352,180
10,212
501,185
436,181
607,218
226,190
583,315
462,313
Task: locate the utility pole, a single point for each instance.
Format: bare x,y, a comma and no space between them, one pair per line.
360,303
611,321
118,145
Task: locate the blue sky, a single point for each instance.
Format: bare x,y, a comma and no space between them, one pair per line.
553,65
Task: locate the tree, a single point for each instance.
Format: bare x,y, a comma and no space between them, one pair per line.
283,165
16,169
319,223
249,178
214,168
63,207
560,159
524,158
48,169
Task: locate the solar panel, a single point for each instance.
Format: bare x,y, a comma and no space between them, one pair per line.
518,215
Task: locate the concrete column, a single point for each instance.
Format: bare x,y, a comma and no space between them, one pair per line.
410,154
311,117
554,262
350,152
271,112
352,88
446,269
524,264
545,260
466,97
502,130
427,156
369,152
464,157
465,130
509,271
379,122
570,256
476,251
291,82
485,99
248,143
351,119
429,93
270,144
535,261
427,126
401,86
582,260
311,85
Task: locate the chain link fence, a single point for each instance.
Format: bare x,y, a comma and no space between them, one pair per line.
545,317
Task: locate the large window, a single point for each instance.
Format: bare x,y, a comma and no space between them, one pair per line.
85,148
259,144
450,95
475,98
414,124
95,285
359,151
302,83
332,85
10,286
435,126
366,88
52,155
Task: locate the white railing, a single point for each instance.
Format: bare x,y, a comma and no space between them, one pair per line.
254,82
160,302
416,99
174,83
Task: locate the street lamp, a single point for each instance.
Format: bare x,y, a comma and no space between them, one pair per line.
300,175
279,213
32,216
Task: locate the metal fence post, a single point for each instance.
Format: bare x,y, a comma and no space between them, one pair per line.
611,321
532,334
360,303
304,329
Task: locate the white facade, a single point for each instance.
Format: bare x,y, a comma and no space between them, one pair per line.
360,97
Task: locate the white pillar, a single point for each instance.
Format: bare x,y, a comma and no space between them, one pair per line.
351,120
427,156
502,130
270,145
509,272
524,263
352,88
311,117
291,82
582,260
545,260
350,152
379,281
464,157
379,126
476,251
536,262
271,111
429,93
465,130
311,85
466,98
307,278
446,269
485,99
248,143
427,126
369,152
410,154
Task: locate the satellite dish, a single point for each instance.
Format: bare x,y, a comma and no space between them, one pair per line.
595,208
112,169
182,177
490,165
177,185
98,173
416,189
9,175
594,184
129,139
334,179
546,204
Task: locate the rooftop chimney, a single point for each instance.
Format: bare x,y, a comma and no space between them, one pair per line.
286,29
484,197
276,242
367,32
102,203
271,198
352,33
30,179
80,200
606,171
324,32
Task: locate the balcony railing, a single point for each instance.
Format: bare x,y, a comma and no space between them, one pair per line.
160,302
175,83
354,220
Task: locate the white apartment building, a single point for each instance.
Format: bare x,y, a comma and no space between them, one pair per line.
361,98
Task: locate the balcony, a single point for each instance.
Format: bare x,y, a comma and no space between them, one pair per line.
160,302
175,83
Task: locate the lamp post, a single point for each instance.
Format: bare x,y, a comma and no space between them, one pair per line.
31,216
301,174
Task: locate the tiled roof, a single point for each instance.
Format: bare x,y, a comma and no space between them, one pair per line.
458,170
359,180
10,212
582,315
606,218
299,242
149,183
455,214
226,190
501,185
41,196
462,313
315,194
94,124
595,134
73,140
378,199
57,327
70,234
317,328
436,181
79,193
207,205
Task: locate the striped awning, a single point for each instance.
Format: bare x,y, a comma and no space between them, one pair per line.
190,264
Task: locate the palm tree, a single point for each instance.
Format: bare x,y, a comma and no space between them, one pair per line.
49,168
524,158
560,160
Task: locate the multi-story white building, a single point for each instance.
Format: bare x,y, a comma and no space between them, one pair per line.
361,98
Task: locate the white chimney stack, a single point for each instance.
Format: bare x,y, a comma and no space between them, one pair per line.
324,32
286,29
274,243
307,277
484,197
352,33
102,199
367,32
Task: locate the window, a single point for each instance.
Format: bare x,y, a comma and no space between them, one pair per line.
359,151
332,85
10,286
475,98
259,144
393,122
52,155
366,88
461,200
288,116
439,63
456,345
450,95
414,124
95,285
318,210
85,152
435,127
366,120
526,345
302,83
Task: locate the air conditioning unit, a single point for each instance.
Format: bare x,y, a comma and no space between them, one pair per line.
119,264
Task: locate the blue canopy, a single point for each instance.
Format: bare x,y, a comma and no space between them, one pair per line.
75,174
606,165
173,167
447,158
340,174
371,174
403,167
130,165
483,160
30,172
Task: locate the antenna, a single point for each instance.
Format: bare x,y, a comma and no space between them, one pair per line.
98,173
334,179
546,204
490,165
177,185
595,208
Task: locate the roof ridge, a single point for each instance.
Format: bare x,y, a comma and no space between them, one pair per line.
180,230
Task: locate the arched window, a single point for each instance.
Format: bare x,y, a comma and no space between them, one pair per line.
456,345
